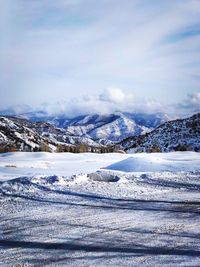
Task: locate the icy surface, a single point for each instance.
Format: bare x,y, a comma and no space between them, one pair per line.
99,209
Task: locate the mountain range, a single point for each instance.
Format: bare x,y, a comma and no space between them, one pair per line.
36,131
111,127
23,135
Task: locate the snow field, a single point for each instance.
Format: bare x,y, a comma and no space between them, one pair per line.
100,209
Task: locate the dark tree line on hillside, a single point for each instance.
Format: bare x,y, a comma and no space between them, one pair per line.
83,148
46,147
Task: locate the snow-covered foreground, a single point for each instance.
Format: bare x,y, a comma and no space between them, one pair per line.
100,209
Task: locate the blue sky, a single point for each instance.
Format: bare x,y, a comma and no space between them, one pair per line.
144,52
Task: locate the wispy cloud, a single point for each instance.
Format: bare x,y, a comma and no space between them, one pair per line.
56,50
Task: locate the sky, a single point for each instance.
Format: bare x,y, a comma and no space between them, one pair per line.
83,56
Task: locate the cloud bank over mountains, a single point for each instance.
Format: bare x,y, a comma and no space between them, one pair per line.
114,100
110,101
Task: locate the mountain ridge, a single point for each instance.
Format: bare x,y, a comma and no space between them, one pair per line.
23,135
175,135
101,133
112,127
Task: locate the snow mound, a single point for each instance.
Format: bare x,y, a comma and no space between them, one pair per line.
17,186
103,177
135,165
156,163
48,180
30,184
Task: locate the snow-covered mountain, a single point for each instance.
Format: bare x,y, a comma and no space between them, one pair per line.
23,135
104,128
113,127
181,134
95,132
117,126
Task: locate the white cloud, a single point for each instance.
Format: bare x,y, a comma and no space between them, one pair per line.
109,101
113,100
191,104
113,95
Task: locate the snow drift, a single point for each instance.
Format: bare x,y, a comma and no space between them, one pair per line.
177,161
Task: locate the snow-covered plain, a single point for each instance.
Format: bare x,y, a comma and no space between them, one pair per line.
100,209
